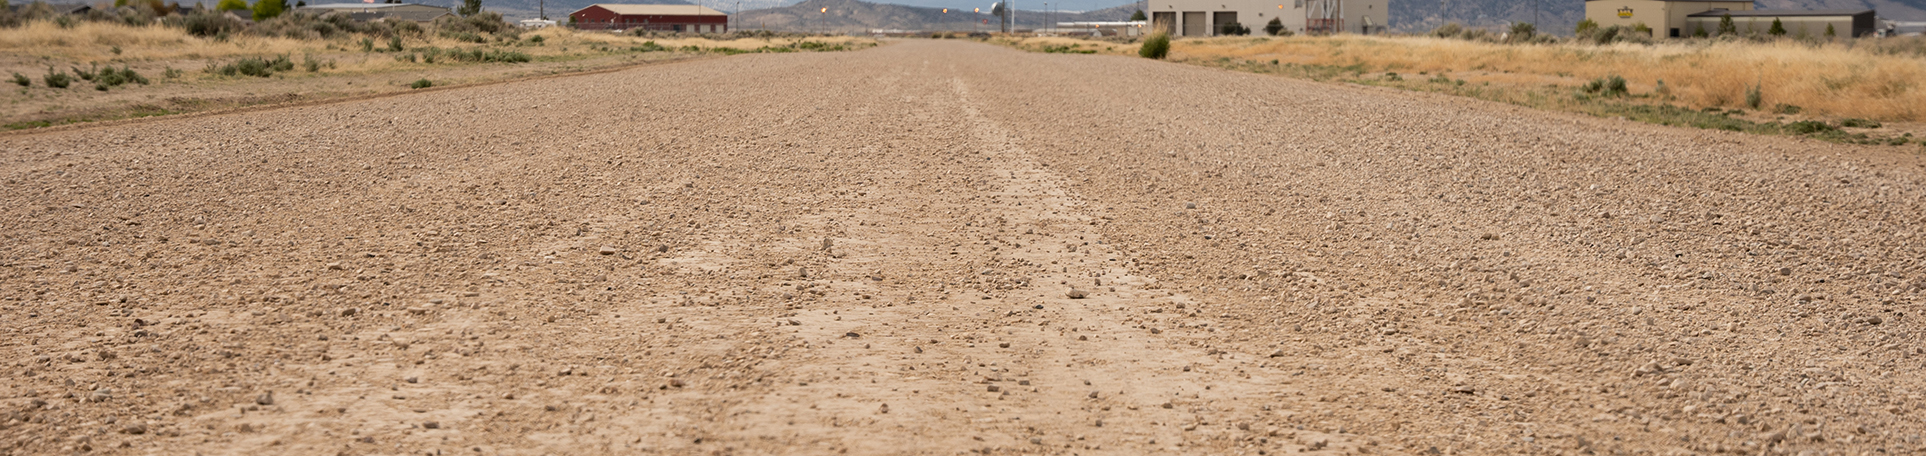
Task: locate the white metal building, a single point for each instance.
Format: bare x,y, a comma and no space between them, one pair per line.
1208,17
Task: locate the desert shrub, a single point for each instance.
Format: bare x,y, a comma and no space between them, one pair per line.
1753,97
253,66
1698,31
1783,108
171,73
1585,27
1393,76
1157,46
647,46
57,79
537,39
231,5
468,28
1726,27
1233,29
367,44
421,84
1449,30
394,44
1642,29
1859,123
87,74
1779,28
22,80
1609,86
1830,33
1071,49
1808,127
1274,27
1522,31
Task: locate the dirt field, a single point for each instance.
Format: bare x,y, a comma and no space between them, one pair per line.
951,247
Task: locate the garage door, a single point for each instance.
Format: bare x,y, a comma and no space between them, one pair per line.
1164,22
1194,24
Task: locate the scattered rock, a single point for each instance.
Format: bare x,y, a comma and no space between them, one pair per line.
431,425
266,398
606,250
1076,294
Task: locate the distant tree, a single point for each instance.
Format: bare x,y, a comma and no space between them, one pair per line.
120,3
1138,16
231,5
1276,25
1699,31
301,4
1830,33
1233,29
267,9
1778,28
469,8
1726,27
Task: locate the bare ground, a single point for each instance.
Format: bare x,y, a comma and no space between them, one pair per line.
879,252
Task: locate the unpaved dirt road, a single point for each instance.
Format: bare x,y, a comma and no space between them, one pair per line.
879,252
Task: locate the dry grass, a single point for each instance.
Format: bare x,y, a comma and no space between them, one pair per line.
1827,79
92,41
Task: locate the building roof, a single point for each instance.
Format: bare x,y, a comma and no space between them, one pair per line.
1780,13
656,10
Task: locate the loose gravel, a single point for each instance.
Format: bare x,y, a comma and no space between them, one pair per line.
943,247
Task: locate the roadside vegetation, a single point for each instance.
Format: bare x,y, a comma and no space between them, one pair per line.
113,63
1833,89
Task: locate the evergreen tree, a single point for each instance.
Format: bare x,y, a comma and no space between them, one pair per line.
1699,31
1726,27
1829,32
1138,16
231,5
1276,25
1778,28
469,8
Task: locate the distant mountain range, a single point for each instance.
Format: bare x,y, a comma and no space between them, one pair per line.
1409,16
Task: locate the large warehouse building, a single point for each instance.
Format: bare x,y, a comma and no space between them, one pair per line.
1681,19
1208,17
664,18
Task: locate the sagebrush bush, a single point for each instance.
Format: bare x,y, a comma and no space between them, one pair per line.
22,80
421,84
1157,46
57,79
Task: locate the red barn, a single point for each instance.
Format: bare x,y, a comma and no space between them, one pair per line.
666,18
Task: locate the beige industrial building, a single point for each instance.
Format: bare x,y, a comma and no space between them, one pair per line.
1208,17
1681,19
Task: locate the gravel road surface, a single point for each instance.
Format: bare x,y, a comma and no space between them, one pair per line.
949,247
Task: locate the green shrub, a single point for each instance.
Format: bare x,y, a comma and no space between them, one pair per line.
1753,98
394,44
22,80
1233,29
537,39
57,79
1778,28
253,66
1726,27
421,84
1157,46
1698,31
1393,77
1783,108
171,73
1830,33
1449,30
367,44
1274,27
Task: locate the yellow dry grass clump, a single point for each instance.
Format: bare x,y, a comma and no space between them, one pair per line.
1827,78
